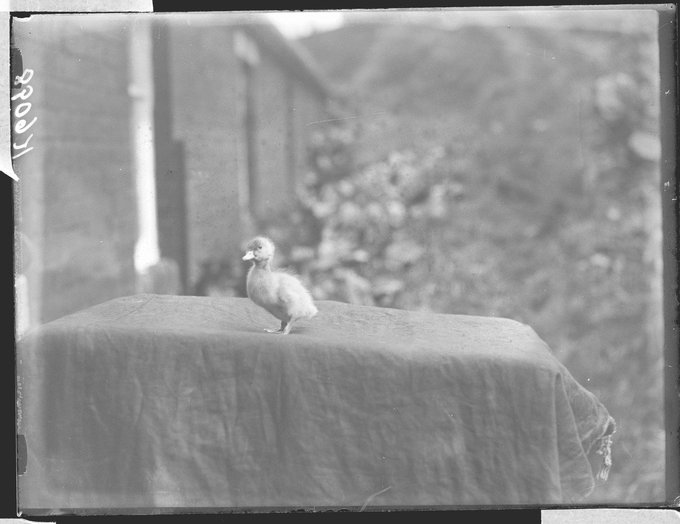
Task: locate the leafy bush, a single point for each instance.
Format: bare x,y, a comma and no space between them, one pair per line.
542,206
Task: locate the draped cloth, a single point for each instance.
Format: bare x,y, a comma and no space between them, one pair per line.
155,401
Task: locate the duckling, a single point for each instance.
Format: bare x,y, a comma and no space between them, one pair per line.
280,293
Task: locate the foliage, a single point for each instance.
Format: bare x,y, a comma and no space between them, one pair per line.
528,192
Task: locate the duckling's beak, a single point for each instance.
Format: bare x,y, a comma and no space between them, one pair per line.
248,256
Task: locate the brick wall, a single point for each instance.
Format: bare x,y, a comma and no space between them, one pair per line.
206,105
308,114
207,99
287,110
85,193
77,198
271,142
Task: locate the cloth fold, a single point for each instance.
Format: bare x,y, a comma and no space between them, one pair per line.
184,402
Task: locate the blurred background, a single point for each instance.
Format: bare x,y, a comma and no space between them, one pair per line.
498,163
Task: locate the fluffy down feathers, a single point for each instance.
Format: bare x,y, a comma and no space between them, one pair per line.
279,292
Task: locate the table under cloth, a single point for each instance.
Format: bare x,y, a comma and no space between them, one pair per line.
156,401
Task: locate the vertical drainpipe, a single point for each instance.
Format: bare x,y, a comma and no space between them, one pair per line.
147,252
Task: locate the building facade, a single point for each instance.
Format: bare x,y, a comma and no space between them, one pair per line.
160,144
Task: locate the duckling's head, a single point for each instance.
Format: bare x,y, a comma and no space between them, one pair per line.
259,249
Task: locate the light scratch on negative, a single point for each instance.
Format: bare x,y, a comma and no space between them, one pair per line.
344,118
369,499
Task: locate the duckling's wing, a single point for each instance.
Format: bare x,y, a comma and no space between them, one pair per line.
294,296
290,288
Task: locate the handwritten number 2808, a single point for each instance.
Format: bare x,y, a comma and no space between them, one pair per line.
21,110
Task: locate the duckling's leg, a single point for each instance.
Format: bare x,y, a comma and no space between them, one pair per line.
280,330
286,329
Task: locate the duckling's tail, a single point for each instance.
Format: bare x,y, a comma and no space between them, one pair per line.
313,311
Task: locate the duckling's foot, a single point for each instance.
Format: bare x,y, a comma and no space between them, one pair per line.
282,329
